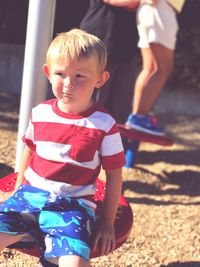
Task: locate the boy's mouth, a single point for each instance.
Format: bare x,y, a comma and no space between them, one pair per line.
67,95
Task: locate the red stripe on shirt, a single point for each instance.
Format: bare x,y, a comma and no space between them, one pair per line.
63,172
108,163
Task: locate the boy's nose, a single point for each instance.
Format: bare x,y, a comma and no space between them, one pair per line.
68,82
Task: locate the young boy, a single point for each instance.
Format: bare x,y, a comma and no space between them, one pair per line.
67,141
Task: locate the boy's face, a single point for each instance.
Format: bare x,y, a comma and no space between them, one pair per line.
73,83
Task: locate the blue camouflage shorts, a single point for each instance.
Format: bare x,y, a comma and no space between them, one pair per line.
61,226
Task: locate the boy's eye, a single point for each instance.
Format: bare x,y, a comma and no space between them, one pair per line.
80,76
59,74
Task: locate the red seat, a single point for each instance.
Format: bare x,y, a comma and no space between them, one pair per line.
123,221
133,134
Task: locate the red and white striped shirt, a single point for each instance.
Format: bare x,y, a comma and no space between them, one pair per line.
71,148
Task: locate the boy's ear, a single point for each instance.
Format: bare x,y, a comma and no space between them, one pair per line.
103,79
46,71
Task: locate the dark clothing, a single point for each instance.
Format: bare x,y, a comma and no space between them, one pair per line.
115,26
69,14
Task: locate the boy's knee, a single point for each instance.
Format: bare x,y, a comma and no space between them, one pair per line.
73,261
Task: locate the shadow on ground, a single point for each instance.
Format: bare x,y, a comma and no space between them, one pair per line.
182,264
9,109
9,102
186,157
5,170
185,183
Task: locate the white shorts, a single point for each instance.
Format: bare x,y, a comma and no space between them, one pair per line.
157,24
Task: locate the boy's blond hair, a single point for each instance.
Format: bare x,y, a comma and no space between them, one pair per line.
76,44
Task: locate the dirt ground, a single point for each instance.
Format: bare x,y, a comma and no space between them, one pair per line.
163,189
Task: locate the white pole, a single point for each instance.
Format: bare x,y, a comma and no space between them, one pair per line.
34,84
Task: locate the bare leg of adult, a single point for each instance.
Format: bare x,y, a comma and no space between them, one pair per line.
148,68
73,261
7,239
164,58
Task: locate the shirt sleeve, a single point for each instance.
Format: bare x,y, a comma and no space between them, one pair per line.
112,151
28,137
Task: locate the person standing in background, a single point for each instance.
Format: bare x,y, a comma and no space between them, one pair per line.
116,27
157,28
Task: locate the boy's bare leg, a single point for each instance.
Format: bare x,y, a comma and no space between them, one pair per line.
73,261
4,196
7,239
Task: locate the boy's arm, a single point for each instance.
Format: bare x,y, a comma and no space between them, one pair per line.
105,234
23,166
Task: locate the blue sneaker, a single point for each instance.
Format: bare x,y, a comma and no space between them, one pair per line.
144,123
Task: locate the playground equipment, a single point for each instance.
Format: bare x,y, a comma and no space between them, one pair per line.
135,137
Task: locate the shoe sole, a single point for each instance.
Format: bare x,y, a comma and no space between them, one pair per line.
144,130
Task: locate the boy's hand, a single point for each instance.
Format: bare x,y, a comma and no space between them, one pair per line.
104,239
4,196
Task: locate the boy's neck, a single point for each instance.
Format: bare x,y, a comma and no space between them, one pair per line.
74,109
